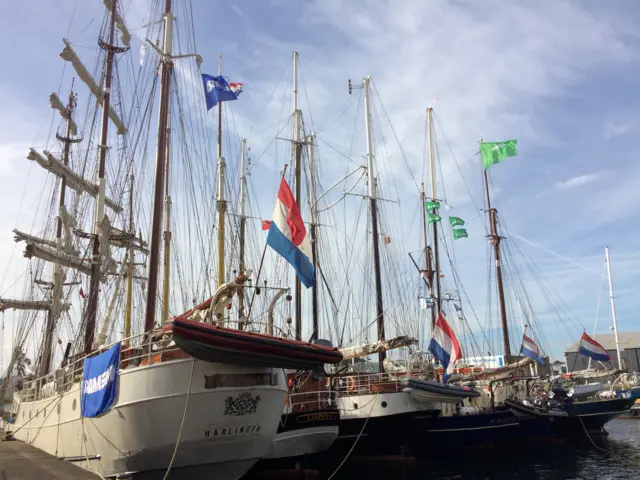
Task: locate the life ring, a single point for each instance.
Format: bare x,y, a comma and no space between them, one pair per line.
351,384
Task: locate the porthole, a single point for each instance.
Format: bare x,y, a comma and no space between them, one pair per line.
384,404
73,405
355,406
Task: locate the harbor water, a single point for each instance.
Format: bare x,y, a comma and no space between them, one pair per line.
615,457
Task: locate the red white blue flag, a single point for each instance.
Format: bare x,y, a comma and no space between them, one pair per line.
530,349
590,348
444,345
288,236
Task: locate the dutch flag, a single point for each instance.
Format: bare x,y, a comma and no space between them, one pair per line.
590,348
530,349
288,236
444,345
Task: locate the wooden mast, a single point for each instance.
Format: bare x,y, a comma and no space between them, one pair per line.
243,228
297,146
94,284
166,285
58,277
311,141
373,196
432,167
222,205
495,239
161,153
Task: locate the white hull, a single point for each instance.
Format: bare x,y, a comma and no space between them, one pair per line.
304,441
140,431
373,405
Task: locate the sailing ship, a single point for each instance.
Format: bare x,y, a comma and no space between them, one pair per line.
173,404
572,411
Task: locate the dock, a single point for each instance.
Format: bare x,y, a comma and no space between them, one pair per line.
21,461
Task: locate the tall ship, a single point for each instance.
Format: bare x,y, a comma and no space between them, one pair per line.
144,364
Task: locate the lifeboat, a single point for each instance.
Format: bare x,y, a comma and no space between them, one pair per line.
211,343
428,391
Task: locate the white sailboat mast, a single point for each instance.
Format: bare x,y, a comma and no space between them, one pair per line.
613,307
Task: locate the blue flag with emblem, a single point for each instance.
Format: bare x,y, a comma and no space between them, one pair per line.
99,382
217,89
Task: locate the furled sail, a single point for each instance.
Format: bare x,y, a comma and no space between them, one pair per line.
10,303
57,104
74,181
125,36
25,237
122,239
381,346
70,55
51,255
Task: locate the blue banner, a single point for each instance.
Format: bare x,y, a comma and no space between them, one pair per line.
99,382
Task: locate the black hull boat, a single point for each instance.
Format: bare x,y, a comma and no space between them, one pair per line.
572,419
301,440
211,343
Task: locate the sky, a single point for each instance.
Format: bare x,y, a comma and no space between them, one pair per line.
559,76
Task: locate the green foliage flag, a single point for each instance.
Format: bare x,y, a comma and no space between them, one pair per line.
494,152
433,218
455,221
431,205
459,233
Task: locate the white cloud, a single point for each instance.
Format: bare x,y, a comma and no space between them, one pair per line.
578,181
238,10
610,130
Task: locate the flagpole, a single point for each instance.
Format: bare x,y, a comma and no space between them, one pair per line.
428,271
495,239
613,308
221,204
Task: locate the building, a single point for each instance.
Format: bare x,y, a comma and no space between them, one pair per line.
629,352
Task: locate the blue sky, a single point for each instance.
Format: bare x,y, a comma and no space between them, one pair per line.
559,76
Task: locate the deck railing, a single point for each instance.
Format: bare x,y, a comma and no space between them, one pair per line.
141,349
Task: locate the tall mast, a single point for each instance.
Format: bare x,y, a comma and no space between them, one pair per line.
222,206
243,227
432,168
613,307
297,145
495,239
94,284
161,153
164,315
373,196
428,269
311,145
129,302
58,276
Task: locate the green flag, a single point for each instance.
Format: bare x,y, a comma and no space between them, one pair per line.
455,221
494,152
459,233
431,205
433,218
